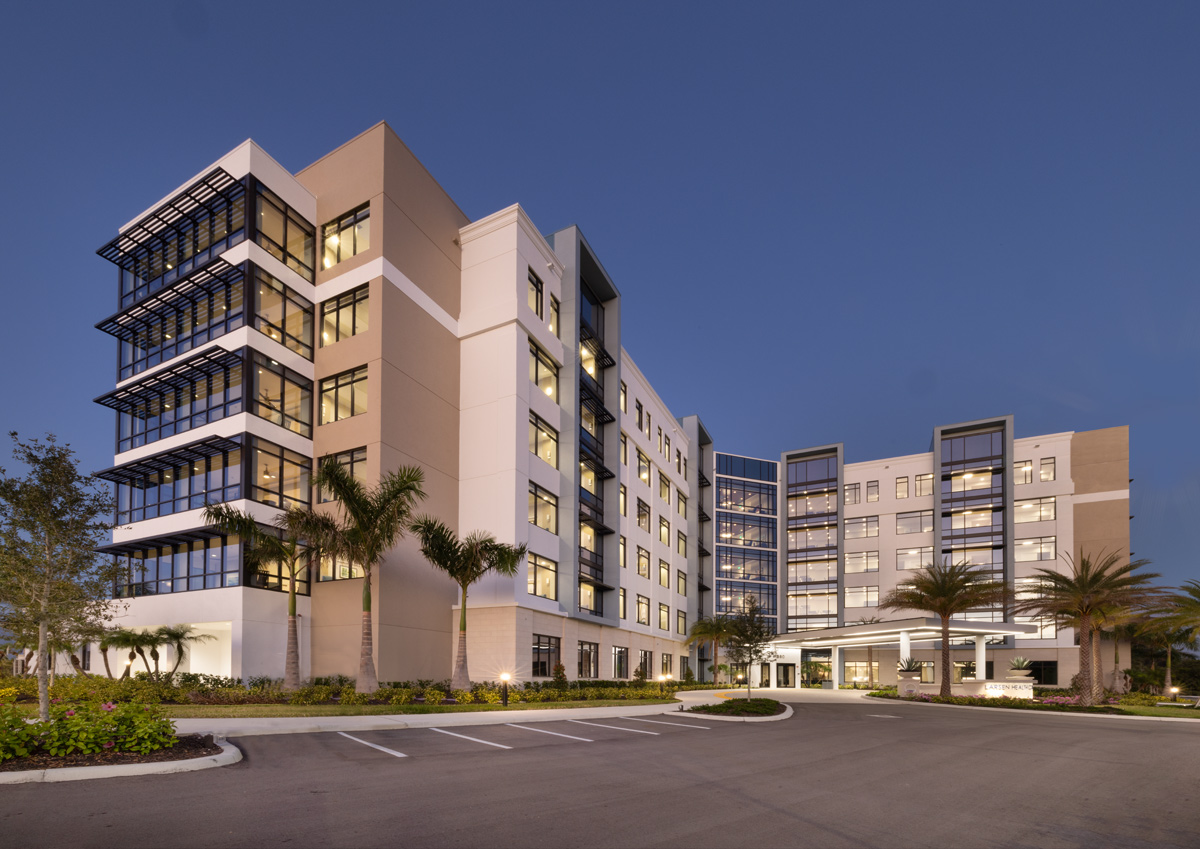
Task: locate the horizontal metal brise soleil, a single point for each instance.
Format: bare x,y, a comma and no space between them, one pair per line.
200,283
202,365
199,450
600,470
589,338
216,185
596,408
147,543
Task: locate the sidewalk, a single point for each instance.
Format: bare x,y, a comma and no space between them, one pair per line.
250,726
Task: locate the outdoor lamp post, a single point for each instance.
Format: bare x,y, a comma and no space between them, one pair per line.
1174,694
504,676
661,680
739,680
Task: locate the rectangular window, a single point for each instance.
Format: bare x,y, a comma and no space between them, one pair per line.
1038,548
872,491
1047,469
643,467
917,522
623,500
664,530
646,422
151,571
850,493
902,487
543,371
664,573
639,413
865,526
621,602
355,462
185,486
621,552
862,561
590,601
338,569
278,477
346,315
1033,510
344,395
643,515
543,439
756,531
545,655
924,485
624,398
664,487
914,558
667,667
862,596
554,320
1023,471
643,567
682,499
281,396
645,659
681,543
664,617
680,622
620,661
347,235
667,448
624,450
279,313
678,461
754,497
543,508
589,660
681,582
543,577
643,610
535,294
660,441
1045,673
282,233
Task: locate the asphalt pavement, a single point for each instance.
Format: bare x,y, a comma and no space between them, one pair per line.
839,772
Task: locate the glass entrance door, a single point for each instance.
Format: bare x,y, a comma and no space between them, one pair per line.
785,675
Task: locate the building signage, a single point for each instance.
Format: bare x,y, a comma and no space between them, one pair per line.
1011,689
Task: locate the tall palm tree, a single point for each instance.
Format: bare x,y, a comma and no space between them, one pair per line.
370,521
870,620
294,544
1096,587
179,637
465,561
946,589
713,630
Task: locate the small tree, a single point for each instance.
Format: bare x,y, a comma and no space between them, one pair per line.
179,637
465,561
750,641
713,630
51,578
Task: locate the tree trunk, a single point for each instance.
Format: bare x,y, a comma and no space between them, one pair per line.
129,665
1166,690
154,655
947,676
1118,676
291,664
716,662
146,661
1085,661
870,666
104,654
460,680
1098,667
77,666
43,652
367,681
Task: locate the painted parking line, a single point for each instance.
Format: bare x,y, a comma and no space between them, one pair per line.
661,722
392,752
614,727
544,731
883,716
472,739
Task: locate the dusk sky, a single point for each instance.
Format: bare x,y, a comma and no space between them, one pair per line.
829,222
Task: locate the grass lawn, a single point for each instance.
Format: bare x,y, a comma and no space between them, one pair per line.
741,707
1181,712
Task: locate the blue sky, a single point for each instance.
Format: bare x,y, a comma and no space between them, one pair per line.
829,222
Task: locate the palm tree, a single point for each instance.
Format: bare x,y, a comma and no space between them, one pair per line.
136,643
465,561
370,522
870,620
294,545
945,590
713,630
1095,588
178,637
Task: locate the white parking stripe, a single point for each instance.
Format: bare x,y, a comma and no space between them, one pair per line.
544,731
373,746
614,727
882,716
472,739
660,722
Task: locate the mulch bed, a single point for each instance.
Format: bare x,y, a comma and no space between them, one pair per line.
189,746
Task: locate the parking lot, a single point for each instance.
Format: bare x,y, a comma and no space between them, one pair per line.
837,773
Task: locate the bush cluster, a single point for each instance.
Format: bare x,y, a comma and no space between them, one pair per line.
85,728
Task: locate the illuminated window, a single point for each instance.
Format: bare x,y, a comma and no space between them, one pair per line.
862,561
1033,510
535,294
543,508
914,558
862,596
643,515
872,491
924,485
355,462
543,371
344,395
643,610
345,316
664,573
623,500
624,398
902,487
682,504
865,526
916,522
1047,469
664,619
664,531
664,487
543,440
643,467
1038,548
348,235
543,577
681,543
850,493
1023,471
643,566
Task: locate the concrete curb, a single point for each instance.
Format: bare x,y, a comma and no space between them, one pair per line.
230,754
706,716
1042,712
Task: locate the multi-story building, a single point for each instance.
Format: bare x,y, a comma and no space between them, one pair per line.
269,320
747,535
1006,506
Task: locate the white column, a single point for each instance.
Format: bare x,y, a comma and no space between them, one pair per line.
980,657
905,645
836,658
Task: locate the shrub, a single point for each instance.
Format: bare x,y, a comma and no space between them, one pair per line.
18,738
350,697
86,728
8,695
313,694
400,696
434,695
560,677
463,697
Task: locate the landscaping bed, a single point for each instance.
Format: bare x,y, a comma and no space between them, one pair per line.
742,707
276,710
186,747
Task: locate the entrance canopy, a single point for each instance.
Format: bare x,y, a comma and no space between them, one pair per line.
902,631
